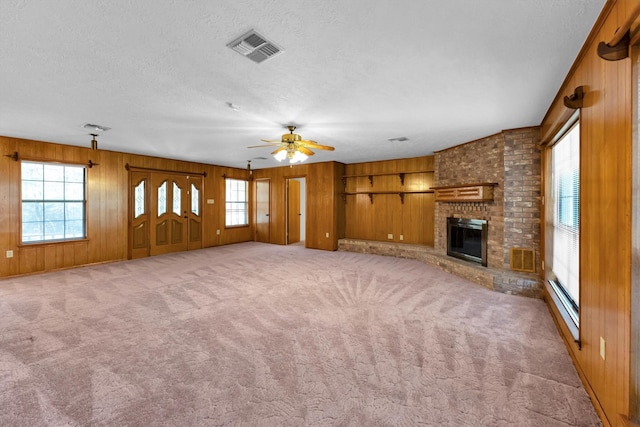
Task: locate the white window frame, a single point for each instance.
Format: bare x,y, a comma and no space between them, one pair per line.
567,306
236,206
38,204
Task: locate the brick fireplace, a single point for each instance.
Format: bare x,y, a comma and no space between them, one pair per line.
512,160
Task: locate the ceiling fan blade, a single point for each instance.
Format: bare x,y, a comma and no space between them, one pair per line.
271,140
259,146
313,144
305,150
279,149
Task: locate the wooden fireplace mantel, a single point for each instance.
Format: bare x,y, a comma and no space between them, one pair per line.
479,192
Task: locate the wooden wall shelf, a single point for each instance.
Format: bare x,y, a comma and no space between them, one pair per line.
371,175
480,192
399,193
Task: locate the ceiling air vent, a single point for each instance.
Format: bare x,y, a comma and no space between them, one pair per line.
255,47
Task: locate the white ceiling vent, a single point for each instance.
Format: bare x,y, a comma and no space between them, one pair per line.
255,47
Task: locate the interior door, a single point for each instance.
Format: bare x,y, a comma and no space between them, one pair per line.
293,211
169,213
262,210
194,213
139,215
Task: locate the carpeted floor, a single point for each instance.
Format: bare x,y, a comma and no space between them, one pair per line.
264,335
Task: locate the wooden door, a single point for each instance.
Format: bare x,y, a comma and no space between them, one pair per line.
263,205
169,218
194,213
293,211
139,216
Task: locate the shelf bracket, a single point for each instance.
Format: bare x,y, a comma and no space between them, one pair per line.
370,197
371,180
13,156
401,175
576,99
401,198
344,181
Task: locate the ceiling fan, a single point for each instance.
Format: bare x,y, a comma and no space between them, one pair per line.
293,147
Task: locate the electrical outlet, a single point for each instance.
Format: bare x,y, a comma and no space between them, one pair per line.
401,237
218,232
390,236
9,254
326,235
602,348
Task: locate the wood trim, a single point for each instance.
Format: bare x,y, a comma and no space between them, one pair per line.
483,184
553,131
384,173
604,14
130,168
626,26
88,164
466,193
350,193
51,243
571,348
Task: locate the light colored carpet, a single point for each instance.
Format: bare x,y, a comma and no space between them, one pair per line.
264,335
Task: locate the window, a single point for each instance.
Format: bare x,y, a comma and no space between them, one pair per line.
53,202
162,199
564,259
195,200
237,203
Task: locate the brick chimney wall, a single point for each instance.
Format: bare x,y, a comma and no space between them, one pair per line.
522,192
511,160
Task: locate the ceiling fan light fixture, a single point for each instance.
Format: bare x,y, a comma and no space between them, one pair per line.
298,157
280,155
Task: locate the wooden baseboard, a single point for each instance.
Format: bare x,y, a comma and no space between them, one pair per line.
571,347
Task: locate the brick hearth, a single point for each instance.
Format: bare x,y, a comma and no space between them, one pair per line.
509,282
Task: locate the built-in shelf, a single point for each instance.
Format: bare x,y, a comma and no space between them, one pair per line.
399,193
480,192
401,175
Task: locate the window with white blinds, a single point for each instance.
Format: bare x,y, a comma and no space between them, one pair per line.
565,201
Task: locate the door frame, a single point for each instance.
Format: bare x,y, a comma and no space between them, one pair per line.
302,178
150,172
257,193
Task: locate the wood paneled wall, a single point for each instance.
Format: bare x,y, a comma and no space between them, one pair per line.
324,210
605,217
107,206
388,215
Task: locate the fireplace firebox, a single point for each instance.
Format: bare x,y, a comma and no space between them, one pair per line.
467,239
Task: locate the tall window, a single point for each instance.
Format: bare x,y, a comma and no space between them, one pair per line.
565,225
237,202
53,202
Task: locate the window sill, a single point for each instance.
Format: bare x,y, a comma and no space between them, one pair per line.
51,242
563,308
226,227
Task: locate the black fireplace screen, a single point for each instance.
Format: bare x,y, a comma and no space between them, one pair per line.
467,239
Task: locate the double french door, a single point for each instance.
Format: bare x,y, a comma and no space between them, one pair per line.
165,213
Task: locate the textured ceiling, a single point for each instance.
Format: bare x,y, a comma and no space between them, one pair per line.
353,75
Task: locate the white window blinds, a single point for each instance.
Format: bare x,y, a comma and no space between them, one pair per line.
565,198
